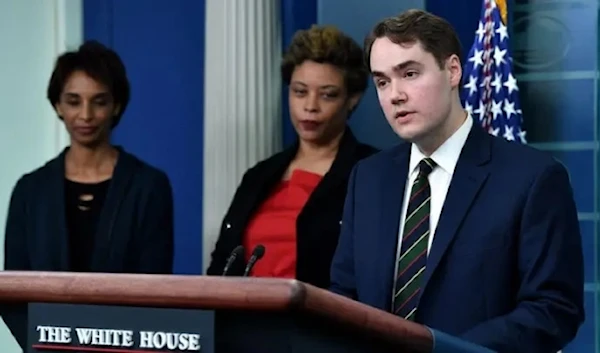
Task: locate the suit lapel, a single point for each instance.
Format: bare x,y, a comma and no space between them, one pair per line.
105,241
469,176
391,192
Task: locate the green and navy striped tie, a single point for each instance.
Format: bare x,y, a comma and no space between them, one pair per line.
413,250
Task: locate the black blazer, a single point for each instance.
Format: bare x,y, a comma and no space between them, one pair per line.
318,224
134,234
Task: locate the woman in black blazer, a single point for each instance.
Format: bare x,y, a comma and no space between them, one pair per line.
95,207
291,203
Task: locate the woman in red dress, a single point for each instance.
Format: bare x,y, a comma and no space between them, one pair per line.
292,202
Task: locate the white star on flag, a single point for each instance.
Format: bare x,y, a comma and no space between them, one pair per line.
491,92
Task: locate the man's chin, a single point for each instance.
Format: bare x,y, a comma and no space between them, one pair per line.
409,135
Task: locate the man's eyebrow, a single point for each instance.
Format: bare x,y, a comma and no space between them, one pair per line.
398,67
403,65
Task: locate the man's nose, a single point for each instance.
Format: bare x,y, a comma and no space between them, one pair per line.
399,95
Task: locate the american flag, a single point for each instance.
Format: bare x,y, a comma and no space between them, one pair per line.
490,89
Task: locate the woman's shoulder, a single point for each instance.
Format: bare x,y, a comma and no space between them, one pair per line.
35,182
40,174
144,171
351,145
275,162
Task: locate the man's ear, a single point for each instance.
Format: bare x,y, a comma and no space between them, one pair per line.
454,69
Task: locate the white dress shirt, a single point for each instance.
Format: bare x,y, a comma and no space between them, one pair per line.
446,157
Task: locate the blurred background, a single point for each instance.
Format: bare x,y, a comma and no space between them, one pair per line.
207,97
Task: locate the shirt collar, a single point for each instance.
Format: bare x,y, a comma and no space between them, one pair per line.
446,156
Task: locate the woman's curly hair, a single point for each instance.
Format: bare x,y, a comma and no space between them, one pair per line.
327,45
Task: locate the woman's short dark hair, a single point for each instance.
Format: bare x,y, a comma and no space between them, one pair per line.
327,45
98,62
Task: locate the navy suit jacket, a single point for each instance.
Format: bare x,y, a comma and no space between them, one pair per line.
505,269
134,234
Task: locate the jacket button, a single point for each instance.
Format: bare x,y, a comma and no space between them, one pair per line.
340,222
228,225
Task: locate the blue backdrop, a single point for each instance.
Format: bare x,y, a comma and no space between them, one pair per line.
162,45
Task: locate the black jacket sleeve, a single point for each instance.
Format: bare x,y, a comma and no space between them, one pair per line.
225,244
16,258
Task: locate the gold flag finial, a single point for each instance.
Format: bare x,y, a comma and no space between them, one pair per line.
503,9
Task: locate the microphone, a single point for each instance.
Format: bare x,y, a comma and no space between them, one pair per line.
232,257
257,254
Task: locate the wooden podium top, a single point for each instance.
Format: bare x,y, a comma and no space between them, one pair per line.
208,292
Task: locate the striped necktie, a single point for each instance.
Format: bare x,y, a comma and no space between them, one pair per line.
413,250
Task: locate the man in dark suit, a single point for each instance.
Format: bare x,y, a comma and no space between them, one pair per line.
456,229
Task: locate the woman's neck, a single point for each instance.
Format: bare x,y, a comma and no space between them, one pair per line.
315,151
86,164
315,158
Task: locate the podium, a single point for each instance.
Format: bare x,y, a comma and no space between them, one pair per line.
119,313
